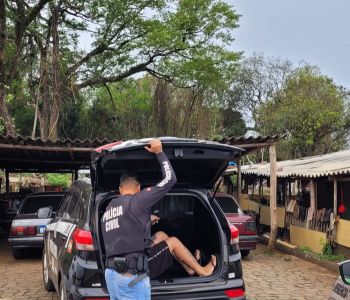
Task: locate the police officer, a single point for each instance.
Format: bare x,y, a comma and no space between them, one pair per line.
126,230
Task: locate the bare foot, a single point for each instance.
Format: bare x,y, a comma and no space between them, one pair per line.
210,267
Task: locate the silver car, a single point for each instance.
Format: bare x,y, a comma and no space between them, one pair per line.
28,226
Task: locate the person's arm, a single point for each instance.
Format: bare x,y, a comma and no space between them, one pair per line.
151,195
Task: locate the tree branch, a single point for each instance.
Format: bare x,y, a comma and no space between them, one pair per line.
34,12
102,80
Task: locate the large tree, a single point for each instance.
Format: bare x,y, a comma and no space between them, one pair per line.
312,110
183,42
257,79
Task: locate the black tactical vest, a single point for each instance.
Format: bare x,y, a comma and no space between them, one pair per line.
123,232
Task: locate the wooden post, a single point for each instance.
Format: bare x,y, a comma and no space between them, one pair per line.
7,176
335,196
239,181
273,198
76,175
312,199
290,189
312,195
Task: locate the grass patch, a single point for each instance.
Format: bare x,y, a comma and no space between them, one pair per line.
268,253
327,255
305,249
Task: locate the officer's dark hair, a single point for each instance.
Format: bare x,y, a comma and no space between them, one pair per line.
129,178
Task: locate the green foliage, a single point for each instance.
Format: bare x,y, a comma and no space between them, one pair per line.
2,128
186,42
312,110
56,179
327,252
233,123
305,249
121,112
269,253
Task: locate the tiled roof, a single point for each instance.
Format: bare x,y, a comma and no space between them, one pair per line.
332,164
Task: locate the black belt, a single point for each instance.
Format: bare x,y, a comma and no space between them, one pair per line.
130,266
130,262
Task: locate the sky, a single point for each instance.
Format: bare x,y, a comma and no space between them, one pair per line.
312,31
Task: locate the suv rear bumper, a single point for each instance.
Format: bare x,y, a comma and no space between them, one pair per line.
82,293
213,290
26,242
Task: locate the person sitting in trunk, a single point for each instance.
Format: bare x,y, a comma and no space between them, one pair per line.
160,261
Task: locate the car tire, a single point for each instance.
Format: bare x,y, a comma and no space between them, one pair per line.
18,253
245,253
63,292
48,284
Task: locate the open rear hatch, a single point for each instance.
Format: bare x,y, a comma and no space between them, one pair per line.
197,164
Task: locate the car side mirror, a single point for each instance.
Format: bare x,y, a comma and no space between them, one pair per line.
344,269
44,212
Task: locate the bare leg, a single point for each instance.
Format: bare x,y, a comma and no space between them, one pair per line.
160,236
186,258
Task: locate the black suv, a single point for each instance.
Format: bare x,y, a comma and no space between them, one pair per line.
74,256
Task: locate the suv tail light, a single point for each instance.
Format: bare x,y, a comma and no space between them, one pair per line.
17,231
234,234
234,293
83,240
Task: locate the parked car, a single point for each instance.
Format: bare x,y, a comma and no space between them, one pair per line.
74,255
30,221
246,225
341,288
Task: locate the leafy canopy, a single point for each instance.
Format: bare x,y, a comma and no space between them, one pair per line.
312,110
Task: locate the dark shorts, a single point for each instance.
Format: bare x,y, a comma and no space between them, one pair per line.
160,259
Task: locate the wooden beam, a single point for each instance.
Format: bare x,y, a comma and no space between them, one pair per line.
7,176
312,194
312,199
71,155
335,197
45,148
239,181
34,161
273,198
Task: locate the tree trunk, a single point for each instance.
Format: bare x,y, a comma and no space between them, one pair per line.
56,82
273,198
160,101
4,112
187,117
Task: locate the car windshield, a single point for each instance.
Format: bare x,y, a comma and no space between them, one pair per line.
228,205
32,204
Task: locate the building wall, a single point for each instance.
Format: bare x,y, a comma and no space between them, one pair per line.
303,237
343,233
265,216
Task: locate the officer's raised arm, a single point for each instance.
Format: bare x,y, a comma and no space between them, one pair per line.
151,195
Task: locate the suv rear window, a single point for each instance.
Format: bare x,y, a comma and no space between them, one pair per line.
228,205
32,204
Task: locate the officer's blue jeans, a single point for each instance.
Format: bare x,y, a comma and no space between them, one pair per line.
118,288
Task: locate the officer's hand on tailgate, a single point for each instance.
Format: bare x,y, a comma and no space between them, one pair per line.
155,146
154,219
